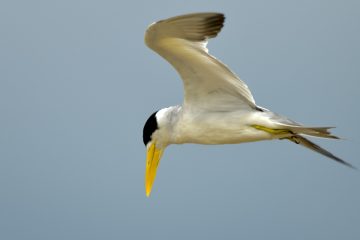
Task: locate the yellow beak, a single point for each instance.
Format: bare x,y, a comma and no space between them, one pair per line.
153,156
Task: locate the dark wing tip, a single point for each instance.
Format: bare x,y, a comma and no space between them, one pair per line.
197,26
212,25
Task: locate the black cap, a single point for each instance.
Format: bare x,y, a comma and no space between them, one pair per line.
149,128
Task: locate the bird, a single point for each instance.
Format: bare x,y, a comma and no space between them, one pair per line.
218,107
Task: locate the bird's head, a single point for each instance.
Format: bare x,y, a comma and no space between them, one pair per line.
155,137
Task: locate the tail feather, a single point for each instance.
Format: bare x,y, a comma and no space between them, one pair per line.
322,132
288,129
283,122
307,143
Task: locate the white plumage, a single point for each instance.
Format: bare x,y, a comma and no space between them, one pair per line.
218,107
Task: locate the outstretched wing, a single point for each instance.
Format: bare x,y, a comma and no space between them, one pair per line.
208,83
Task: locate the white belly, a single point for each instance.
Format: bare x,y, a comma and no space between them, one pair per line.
219,128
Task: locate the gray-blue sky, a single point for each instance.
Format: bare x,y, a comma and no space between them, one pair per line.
77,84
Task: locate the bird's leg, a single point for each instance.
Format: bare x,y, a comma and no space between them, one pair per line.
272,131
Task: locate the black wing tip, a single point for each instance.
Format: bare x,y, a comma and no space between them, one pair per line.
203,15
210,14
214,24
216,15
216,19
205,25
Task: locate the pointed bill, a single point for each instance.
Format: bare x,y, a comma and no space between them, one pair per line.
153,156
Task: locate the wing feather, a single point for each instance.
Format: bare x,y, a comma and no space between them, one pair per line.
208,83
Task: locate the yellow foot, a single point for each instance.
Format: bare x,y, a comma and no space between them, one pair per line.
272,131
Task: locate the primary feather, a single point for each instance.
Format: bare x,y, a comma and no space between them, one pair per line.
182,42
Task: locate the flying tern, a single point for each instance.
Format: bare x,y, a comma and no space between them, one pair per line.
218,107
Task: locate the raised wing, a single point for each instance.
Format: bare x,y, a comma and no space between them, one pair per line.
208,83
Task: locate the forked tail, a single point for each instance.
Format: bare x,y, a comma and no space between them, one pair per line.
307,143
322,132
294,134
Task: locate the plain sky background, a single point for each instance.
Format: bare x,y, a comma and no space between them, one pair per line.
77,84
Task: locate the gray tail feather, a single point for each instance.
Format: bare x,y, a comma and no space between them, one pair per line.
307,143
322,132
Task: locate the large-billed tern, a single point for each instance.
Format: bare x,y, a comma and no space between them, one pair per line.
218,106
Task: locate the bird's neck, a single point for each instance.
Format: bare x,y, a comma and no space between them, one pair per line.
167,119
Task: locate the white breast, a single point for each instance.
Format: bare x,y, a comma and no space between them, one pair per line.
217,128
